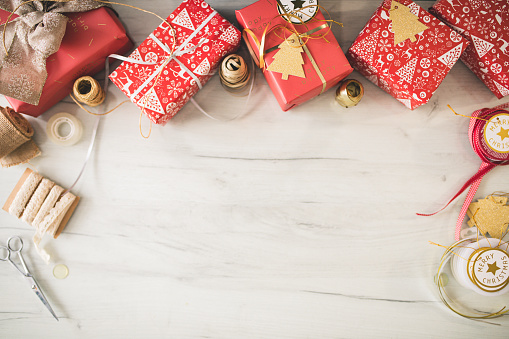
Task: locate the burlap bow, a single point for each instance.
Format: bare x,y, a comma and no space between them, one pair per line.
30,39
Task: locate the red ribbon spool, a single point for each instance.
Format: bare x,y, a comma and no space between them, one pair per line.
490,157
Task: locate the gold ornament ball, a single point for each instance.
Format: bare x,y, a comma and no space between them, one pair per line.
349,93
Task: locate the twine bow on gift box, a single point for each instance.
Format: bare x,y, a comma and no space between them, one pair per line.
30,39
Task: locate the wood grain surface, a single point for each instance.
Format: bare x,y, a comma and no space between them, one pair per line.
298,224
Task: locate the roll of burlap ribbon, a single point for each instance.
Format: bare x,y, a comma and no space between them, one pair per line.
16,144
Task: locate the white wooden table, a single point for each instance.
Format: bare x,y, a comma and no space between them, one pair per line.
296,224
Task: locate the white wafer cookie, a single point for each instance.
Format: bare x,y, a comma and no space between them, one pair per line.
25,193
36,201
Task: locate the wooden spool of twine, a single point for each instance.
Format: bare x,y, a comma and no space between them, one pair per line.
88,91
234,73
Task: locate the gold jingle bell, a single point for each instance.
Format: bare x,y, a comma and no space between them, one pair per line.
349,93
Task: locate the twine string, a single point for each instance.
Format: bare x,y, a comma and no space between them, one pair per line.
88,91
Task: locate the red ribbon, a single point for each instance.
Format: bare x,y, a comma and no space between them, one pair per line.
490,159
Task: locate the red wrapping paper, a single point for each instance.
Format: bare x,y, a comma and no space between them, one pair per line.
199,29
410,71
328,55
486,25
89,38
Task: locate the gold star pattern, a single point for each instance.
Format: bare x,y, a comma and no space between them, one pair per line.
493,268
504,133
490,215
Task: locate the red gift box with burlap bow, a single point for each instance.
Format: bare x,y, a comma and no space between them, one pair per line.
89,38
412,69
176,60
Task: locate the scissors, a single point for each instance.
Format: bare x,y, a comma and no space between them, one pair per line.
15,245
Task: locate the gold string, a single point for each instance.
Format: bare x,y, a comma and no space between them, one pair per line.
443,294
467,116
139,124
88,91
93,113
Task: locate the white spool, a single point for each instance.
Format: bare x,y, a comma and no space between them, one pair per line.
482,266
59,121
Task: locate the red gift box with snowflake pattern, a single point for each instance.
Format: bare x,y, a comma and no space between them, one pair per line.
176,60
485,23
410,71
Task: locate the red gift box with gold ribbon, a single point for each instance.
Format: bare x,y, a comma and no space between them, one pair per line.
176,60
296,71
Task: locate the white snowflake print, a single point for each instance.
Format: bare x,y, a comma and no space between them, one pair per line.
503,78
174,88
496,68
435,36
214,21
483,29
385,45
470,23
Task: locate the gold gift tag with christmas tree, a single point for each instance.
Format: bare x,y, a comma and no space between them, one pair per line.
405,24
288,60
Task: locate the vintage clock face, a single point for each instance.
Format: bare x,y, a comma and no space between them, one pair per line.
303,9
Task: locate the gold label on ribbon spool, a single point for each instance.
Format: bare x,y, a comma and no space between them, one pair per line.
305,10
488,269
349,93
496,133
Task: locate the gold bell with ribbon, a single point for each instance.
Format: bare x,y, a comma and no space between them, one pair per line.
349,93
